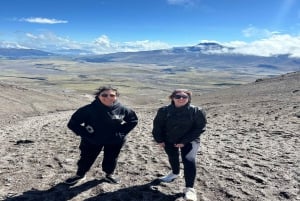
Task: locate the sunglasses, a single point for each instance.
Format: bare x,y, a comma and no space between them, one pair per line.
180,96
106,95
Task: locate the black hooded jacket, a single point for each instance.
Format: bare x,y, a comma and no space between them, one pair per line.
178,125
100,124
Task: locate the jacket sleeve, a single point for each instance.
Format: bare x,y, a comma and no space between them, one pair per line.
198,128
130,121
159,121
76,123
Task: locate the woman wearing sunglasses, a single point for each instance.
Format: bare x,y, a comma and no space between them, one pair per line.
177,128
102,125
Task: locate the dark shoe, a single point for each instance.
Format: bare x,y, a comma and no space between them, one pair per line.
73,180
111,179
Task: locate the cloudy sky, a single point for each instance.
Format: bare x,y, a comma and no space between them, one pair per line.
261,27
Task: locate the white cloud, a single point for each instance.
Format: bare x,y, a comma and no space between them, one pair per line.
46,41
7,44
274,45
104,45
49,41
41,20
145,45
252,31
102,41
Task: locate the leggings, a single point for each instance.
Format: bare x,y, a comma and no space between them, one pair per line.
90,152
188,155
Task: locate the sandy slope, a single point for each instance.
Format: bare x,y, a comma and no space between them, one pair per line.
250,151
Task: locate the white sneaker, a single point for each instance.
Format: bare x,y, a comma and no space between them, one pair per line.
190,194
169,177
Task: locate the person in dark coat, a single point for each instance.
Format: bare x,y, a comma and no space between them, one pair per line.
177,128
102,125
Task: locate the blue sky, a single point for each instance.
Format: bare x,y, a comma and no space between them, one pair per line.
262,27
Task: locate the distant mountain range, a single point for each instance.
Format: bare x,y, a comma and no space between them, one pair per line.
204,56
15,53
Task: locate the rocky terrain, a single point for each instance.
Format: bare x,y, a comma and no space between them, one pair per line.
249,152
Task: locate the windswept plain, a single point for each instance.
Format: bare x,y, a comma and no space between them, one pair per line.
250,150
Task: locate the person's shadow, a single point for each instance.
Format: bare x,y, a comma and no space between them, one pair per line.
146,192
59,192
63,192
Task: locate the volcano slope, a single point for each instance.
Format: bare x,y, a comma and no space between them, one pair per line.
250,150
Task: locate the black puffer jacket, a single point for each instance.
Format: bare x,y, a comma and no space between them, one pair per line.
99,124
178,125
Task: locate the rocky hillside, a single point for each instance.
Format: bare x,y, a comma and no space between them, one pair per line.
250,150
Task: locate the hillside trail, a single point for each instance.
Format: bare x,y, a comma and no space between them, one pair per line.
250,151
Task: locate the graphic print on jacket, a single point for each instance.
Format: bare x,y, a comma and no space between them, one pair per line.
99,124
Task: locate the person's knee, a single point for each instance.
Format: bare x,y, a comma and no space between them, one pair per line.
190,159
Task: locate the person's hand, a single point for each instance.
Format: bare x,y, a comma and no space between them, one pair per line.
178,145
162,144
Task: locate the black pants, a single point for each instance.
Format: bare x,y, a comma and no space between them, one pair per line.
188,155
90,152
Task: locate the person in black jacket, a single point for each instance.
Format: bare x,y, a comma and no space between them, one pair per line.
102,125
178,126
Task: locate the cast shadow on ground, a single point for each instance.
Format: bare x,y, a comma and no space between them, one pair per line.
146,192
63,192
59,192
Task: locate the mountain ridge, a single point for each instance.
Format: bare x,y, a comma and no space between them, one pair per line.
203,56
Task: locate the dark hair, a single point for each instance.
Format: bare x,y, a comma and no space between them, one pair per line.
186,91
105,88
